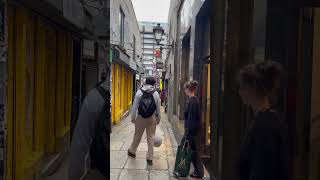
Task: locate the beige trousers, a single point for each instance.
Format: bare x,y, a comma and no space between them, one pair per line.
141,124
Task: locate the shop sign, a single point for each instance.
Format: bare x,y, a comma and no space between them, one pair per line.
158,53
110,55
101,25
159,65
124,58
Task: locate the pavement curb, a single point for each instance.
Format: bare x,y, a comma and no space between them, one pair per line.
54,162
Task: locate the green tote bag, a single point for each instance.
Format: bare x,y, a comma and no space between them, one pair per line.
183,160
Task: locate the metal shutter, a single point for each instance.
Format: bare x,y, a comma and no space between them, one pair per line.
92,75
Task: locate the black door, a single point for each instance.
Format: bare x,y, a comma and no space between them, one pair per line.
76,78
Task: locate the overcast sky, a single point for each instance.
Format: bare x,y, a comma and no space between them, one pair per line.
151,10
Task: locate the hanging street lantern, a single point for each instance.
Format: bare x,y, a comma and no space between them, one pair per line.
158,32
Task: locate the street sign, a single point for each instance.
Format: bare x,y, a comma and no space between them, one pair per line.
110,55
158,53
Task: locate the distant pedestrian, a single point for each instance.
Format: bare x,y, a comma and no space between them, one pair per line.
145,115
192,126
89,155
163,96
264,151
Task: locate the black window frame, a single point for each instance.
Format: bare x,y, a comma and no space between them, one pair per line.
121,25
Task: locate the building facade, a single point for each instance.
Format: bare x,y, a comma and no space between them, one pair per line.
151,48
252,31
126,56
43,43
187,59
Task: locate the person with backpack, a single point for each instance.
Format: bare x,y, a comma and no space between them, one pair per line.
89,153
145,114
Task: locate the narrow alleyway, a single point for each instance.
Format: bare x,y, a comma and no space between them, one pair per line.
124,167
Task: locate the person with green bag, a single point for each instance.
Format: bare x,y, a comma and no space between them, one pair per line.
183,160
188,151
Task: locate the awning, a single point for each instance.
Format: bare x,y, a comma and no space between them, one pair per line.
123,59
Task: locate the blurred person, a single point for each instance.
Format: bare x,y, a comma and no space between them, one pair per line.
145,114
192,125
89,156
163,96
264,151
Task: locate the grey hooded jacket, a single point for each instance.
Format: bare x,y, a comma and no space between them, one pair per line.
137,98
83,135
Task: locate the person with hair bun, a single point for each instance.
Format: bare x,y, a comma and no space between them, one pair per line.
192,125
264,151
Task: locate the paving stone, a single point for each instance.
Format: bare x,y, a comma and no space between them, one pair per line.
167,141
159,164
125,132
143,147
116,146
162,148
128,128
114,174
144,140
118,138
118,159
126,146
132,174
175,149
136,164
171,163
173,178
159,155
141,154
159,175
170,152
125,167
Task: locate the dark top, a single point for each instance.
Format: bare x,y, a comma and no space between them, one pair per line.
264,152
192,119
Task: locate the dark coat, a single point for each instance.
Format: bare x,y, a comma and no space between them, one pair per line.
192,118
264,152
89,117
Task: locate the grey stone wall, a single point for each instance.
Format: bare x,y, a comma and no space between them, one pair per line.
131,27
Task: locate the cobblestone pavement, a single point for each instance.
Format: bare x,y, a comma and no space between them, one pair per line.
124,167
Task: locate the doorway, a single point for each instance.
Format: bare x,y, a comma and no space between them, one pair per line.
76,90
307,151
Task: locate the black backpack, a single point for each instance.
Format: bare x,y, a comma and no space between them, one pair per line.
147,105
99,151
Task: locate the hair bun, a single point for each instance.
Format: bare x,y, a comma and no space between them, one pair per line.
194,83
191,85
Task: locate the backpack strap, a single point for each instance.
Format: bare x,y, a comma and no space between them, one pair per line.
143,92
106,98
103,92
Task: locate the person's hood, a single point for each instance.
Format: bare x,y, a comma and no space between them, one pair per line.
148,88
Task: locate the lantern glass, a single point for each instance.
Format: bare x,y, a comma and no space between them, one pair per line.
158,34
